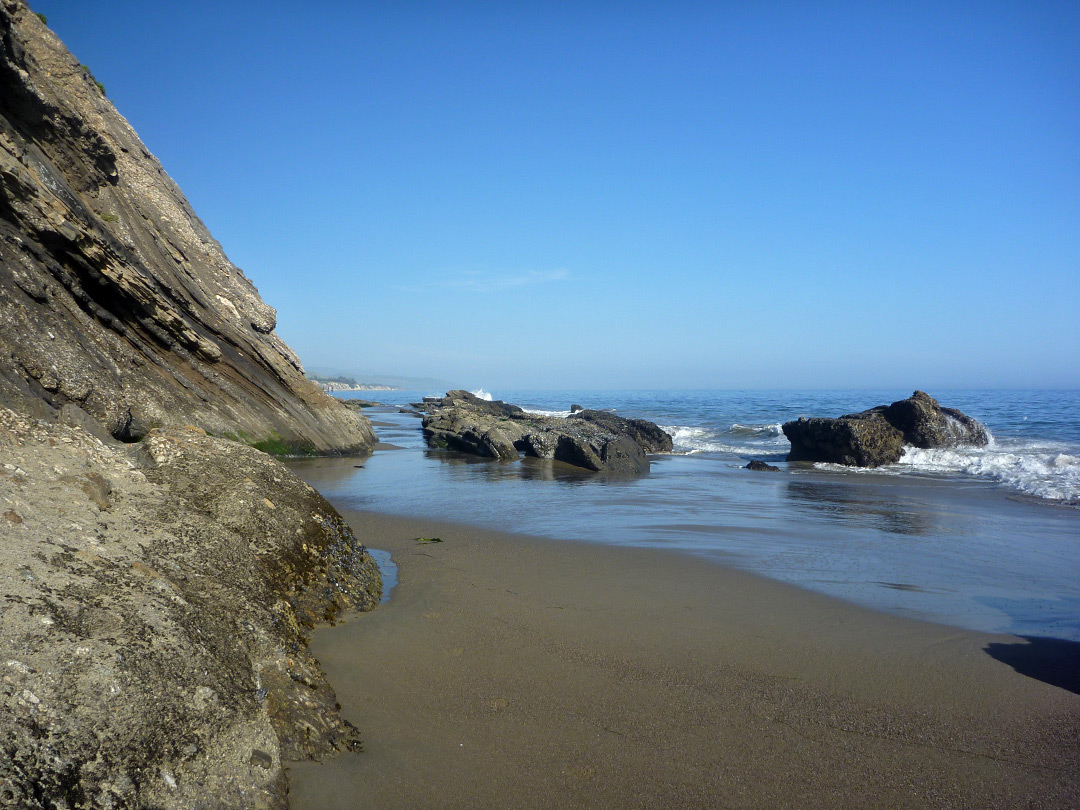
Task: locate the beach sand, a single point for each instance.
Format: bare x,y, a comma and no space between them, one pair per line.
512,672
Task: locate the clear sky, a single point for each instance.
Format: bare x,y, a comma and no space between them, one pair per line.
628,195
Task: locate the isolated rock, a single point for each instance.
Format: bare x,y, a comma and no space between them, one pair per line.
877,436
761,466
156,600
594,440
114,297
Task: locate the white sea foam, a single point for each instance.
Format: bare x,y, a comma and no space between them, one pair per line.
690,440
482,394
1039,469
538,412
773,429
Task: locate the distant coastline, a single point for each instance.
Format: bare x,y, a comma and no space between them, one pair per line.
329,384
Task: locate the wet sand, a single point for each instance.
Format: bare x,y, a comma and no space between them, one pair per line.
510,672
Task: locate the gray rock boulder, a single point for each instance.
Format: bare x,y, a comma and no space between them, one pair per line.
157,599
592,440
877,436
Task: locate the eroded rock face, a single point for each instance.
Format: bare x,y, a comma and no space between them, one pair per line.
650,436
877,436
926,424
594,440
156,600
114,298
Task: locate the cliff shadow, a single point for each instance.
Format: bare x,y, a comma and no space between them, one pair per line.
1054,661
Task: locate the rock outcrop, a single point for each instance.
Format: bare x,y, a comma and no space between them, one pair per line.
155,601
114,298
155,595
594,440
877,436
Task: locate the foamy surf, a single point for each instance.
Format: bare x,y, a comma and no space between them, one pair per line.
688,441
480,393
538,412
1041,470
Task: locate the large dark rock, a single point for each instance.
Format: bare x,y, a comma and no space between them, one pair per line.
650,436
926,424
859,440
593,440
877,436
761,466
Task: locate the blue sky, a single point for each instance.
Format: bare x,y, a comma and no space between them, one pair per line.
629,195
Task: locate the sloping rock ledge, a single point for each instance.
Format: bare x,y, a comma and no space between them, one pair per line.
155,603
593,440
877,436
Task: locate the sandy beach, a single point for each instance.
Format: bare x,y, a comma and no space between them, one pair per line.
507,671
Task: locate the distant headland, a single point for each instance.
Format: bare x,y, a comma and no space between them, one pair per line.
347,384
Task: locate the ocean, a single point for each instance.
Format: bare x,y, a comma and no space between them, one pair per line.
986,539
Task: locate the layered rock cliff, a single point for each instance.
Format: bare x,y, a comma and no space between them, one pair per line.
156,583
114,298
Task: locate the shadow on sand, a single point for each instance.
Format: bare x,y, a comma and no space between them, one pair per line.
1052,660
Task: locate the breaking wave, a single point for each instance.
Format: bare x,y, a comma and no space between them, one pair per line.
691,440
539,412
480,393
773,429
1039,469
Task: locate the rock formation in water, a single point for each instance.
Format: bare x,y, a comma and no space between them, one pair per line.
760,466
594,440
156,582
877,436
114,298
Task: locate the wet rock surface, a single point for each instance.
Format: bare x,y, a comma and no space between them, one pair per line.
761,466
877,436
115,300
155,602
593,440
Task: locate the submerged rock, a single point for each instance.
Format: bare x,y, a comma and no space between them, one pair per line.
594,440
877,436
761,466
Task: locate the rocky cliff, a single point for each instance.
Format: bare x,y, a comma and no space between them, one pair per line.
115,301
156,582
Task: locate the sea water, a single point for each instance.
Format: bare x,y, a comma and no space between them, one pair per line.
983,538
